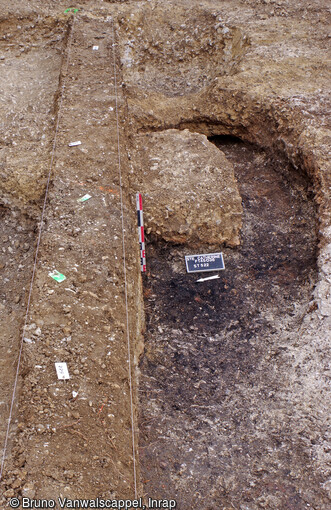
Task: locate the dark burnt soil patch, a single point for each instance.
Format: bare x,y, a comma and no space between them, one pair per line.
217,424
277,253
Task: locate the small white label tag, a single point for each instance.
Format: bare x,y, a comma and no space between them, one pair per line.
62,371
84,198
209,278
95,48
73,144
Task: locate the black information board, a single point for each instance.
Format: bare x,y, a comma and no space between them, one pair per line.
204,262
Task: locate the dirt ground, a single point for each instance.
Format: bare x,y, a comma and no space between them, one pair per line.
57,425
217,423
220,400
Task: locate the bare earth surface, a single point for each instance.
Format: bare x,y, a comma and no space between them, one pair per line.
81,321
216,352
221,401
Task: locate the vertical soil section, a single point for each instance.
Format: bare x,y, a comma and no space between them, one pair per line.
219,420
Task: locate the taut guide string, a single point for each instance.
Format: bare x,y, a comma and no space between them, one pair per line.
124,264
36,254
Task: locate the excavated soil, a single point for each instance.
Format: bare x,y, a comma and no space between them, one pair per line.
217,423
74,438
233,391
17,234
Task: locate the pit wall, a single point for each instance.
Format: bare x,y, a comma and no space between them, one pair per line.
273,125
266,87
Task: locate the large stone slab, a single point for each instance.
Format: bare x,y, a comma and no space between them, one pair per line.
189,190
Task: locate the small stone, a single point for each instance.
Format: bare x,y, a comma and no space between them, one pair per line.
17,299
9,493
16,484
28,490
21,461
76,372
76,415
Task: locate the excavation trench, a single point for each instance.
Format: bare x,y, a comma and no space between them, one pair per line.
217,425
230,413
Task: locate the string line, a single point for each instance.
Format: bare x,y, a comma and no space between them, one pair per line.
124,264
36,254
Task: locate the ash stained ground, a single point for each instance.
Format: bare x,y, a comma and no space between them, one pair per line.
217,425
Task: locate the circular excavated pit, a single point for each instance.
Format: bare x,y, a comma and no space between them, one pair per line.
219,425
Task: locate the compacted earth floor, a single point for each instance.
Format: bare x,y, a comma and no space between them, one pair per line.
219,428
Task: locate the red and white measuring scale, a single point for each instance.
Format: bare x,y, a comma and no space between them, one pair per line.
139,203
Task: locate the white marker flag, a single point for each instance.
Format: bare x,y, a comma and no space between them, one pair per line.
62,371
